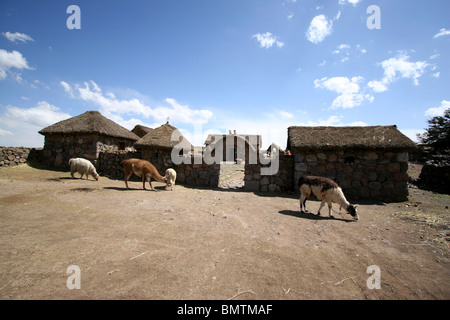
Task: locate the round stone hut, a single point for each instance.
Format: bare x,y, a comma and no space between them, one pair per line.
84,136
158,144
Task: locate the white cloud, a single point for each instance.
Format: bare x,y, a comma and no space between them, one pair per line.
319,29
377,86
443,32
37,83
42,115
24,124
436,75
5,132
435,56
412,133
12,60
398,68
348,90
267,40
438,111
183,113
114,108
335,121
16,36
286,115
353,2
341,48
67,88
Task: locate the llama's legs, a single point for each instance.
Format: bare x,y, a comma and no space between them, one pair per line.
329,207
303,202
320,208
127,176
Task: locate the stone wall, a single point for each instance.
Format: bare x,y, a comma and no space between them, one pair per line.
282,180
108,163
195,172
373,175
14,156
189,173
10,156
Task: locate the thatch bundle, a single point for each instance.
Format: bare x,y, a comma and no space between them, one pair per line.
327,138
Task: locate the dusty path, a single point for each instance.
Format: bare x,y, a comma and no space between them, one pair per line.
210,244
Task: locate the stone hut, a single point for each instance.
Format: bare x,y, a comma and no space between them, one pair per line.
231,145
84,136
157,145
367,162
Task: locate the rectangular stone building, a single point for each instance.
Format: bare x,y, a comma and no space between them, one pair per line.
367,162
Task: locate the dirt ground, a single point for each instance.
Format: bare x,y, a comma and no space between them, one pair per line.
194,243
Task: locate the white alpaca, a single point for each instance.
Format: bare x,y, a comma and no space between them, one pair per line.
83,167
325,190
170,177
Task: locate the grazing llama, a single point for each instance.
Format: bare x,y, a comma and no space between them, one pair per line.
325,190
83,167
141,168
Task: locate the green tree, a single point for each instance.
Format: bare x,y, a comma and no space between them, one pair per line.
437,134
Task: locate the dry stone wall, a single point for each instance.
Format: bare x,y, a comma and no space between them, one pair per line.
14,156
11,156
282,180
193,172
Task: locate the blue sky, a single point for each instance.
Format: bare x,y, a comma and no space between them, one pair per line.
255,66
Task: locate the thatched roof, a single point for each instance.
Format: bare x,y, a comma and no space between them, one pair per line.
89,122
141,130
326,138
161,138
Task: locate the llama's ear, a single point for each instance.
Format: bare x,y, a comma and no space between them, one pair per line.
356,206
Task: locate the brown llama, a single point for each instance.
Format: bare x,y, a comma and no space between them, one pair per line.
141,168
